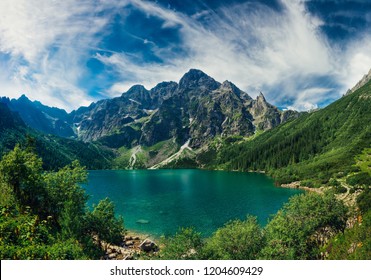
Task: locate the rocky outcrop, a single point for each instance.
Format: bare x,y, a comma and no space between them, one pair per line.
148,246
131,247
365,79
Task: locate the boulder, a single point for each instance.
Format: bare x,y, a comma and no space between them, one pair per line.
142,221
148,246
112,256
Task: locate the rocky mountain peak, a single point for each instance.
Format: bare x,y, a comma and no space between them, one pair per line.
161,92
227,85
195,110
138,93
196,78
23,98
135,90
163,85
261,98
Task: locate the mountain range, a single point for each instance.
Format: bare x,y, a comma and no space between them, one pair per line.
197,122
145,128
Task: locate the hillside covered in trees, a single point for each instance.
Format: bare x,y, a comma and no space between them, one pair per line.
55,151
315,147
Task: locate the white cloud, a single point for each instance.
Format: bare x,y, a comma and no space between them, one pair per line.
29,28
47,44
309,98
132,73
356,62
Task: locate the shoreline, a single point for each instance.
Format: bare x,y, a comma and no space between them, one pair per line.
141,235
296,185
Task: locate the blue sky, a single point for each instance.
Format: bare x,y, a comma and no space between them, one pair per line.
300,54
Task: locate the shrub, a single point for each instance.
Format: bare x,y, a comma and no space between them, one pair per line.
364,201
340,189
237,240
333,182
185,245
291,233
362,178
354,243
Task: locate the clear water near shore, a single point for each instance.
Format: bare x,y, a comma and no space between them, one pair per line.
159,202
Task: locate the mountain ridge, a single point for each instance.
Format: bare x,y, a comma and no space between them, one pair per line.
317,146
197,109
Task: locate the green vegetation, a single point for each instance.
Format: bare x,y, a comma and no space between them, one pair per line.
56,152
364,161
43,215
237,240
297,231
316,146
360,179
185,245
364,201
144,156
355,242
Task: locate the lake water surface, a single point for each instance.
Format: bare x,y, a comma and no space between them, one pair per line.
159,202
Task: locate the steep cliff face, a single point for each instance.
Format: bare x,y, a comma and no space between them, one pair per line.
200,108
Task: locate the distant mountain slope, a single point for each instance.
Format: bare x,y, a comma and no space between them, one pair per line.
56,152
317,145
12,128
40,117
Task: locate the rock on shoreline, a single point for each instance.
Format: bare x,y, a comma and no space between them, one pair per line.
132,245
296,185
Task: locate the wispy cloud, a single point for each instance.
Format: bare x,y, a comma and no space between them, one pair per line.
47,44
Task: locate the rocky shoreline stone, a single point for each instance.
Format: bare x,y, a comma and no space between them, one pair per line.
133,244
296,185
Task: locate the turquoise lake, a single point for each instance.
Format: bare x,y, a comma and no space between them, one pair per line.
159,202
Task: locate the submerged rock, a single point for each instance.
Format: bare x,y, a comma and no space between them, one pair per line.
142,221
